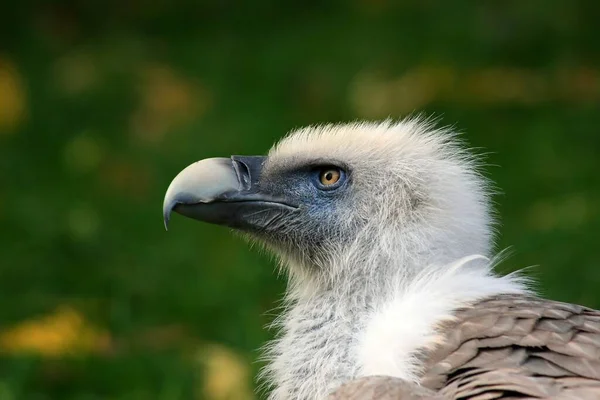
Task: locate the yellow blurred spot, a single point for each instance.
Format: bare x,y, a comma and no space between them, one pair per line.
83,222
576,211
65,332
167,101
376,96
83,153
76,73
5,391
570,212
226,374
579,84
495,85
12,97
543,216
123,178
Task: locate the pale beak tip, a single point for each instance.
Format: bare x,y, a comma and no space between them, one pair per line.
167,209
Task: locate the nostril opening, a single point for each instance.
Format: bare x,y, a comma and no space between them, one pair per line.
248,170
243,173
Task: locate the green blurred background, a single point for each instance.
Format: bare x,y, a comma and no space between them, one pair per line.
103,102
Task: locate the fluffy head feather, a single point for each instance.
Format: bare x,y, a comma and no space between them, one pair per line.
413,198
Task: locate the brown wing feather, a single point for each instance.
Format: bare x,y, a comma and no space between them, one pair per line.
383,388
518,347
506,347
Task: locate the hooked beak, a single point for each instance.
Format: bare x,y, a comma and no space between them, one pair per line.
225,191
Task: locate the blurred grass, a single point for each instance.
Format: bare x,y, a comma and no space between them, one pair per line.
101,104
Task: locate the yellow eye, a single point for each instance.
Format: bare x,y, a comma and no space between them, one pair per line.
329,177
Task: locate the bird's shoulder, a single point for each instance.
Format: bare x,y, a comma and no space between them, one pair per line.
517,345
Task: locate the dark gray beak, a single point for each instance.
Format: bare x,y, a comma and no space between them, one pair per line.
225,191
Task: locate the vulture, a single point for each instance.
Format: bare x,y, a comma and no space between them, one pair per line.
385,232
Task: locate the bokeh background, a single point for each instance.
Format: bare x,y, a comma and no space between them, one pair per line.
103,102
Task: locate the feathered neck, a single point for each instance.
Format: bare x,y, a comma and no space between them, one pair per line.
373,326
379,261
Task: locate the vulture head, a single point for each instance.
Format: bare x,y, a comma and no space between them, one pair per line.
384,230
339,202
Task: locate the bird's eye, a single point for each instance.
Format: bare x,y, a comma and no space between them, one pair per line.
330,176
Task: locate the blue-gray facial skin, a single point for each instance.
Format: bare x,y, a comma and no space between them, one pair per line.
320,206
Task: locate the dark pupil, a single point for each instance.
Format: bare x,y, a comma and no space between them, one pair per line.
328,176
